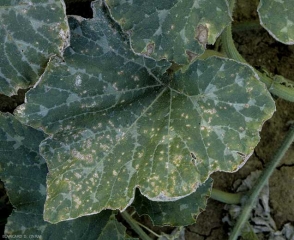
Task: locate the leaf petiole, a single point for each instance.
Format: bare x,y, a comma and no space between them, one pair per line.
134,225
148,229
225,197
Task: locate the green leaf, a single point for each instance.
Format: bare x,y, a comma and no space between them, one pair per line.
278,19
182,212
176,30
84,228
24,172
30,32
117,122
114,230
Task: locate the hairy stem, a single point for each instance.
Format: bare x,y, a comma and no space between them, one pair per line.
135,226
263,179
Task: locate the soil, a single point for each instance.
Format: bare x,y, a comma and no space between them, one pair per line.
261,51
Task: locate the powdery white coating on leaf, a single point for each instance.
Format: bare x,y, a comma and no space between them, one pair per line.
160,22
277,18
130,125
30,32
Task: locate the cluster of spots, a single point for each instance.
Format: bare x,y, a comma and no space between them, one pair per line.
226,106
77,201
88,158
78,81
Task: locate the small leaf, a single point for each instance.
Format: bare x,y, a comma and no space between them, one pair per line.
171,29
24,172
30,32
182,212
114,230
118,121
278,19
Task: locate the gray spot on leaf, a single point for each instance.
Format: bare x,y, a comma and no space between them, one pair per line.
202,34
191,55
149,49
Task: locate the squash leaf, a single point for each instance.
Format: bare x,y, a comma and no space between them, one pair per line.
117,121
176,30
24,172
114,230
278,19
30,32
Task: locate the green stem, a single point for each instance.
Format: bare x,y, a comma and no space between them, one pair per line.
263,179
225,197
135,226
229,46
149,230
210,53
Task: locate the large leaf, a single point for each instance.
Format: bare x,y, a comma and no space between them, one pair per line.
30,32
177,30
24,172
278,19
117,122
182,212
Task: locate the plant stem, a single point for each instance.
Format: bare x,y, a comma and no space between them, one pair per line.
154,233
135,226
263,179
229,46
225,197
210,53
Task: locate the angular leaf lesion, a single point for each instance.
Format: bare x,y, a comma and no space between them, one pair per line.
202,34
